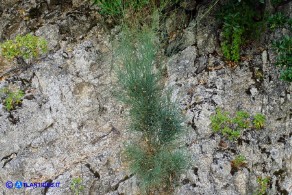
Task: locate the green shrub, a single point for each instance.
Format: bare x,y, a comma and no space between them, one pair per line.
289,22
239,25
27,46
153,158
231,127
283,46
12,98
232,35
277,20
284,59
76,186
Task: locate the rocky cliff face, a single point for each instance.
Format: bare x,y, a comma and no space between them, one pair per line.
70,126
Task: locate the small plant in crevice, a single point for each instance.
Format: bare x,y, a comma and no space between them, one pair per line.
155,157
259,75
242,20
11,98
229,127
26,47
76,186
238,162
232,126
241,119
259,121
263,184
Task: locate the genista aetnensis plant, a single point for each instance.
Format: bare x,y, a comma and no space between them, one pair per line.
155,156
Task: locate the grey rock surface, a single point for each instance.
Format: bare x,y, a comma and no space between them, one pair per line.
51,34
71,126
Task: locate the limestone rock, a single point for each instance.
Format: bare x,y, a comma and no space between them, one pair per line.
70,125
51,34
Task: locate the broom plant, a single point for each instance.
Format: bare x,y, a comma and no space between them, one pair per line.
154,157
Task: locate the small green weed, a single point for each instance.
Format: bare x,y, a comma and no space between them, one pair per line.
220,120
241,119
239,161
231,133
259,121
231,127
12,98
27,46
76,186
263,185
